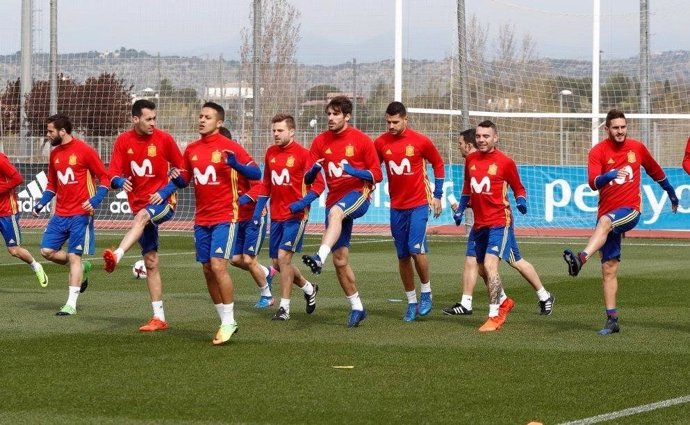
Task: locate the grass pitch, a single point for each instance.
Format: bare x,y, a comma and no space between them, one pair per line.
96,367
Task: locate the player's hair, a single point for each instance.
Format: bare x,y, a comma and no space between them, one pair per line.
469,136
216,107
289,120
488,124
340,104
224,131
60,122
140,105
396,108
613,115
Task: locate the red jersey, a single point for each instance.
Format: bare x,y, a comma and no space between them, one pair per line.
9,180
405,157
686,157
284,169
251,188
71,173
630,156
146,159
217,186
356,148
487,178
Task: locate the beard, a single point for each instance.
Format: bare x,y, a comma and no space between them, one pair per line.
56,141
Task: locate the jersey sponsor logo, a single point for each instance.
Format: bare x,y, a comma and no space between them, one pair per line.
399,169
627,178
145,169
481,186
67,177
280,179
207,177
335,170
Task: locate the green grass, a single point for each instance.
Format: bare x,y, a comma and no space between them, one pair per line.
96,367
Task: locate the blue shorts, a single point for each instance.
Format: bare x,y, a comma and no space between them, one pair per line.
512,254
78,229
354,205
408,227
623,219
498,241
286,235
250,238
159,214
216,241
11,232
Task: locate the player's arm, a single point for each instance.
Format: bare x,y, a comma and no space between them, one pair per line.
372,171
316,160
432,155
256,189
654,170
104,179
50,191
116,169
248,169
513,179
686,157
597,176
12,177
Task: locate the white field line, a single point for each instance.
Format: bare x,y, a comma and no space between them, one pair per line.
630,411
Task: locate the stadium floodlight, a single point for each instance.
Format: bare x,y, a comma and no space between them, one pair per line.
564,92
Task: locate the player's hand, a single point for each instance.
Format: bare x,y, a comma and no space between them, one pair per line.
674,201
244,200
174,173
297,206
454,206
521,205
155,199
127,185
230,158
457,217
36,210
436,207
87,206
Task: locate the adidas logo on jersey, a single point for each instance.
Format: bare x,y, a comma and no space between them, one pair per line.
288,243
11,241
494,248
251,249
219,250
79,247
33,192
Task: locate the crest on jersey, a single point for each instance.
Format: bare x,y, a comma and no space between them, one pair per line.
492,169
409,150
130,151
73,159
631,157
349,151
290,161
215,157
151,151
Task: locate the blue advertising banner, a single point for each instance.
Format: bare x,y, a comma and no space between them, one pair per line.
557,196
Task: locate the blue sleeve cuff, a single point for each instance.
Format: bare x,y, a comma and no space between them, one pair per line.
464,202
438,188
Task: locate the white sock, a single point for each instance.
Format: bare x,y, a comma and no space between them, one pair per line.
543,294
426,287
466,301
228,315
264,269
34,266
285,303
308,288
355,302
219,310
158,310
119,253
72,295
502,297
411,296
265,291
323,252
493,310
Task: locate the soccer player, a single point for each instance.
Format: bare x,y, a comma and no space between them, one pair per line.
141,160
71,170
352,169
215,163
614,169
285,164
487,174
467,145
10,178
405,154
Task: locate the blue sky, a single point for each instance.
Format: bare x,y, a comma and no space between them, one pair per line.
335,31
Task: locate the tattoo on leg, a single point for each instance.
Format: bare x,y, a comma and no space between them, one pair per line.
494,289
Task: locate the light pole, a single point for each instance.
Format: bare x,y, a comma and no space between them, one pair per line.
562,93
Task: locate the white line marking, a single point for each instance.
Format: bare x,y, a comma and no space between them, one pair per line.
631,411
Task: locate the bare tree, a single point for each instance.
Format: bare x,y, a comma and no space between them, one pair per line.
476,47
280,34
